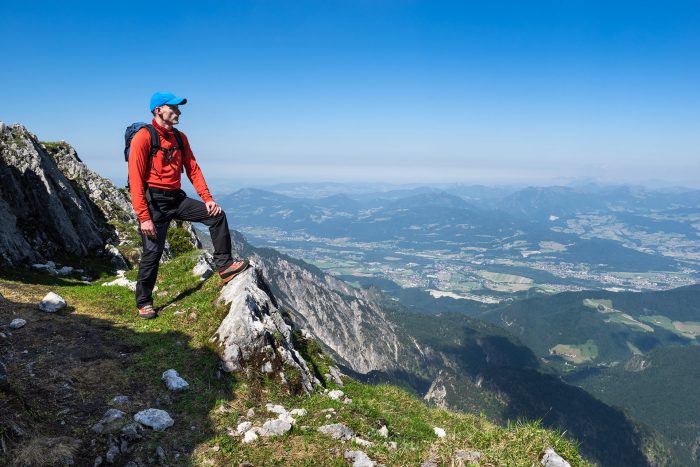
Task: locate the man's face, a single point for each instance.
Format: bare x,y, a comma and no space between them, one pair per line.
170,114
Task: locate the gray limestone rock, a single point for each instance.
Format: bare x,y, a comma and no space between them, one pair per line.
157,419
335,375
243,427
203,267
383,431
132,431
552,459
120,400
275,428
17,323
112,454
111,421
174,382
52,303
338,431
359,459
253,323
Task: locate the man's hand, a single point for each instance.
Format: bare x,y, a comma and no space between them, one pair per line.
213,209
148,229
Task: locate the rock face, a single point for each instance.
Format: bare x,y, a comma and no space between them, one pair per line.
254,330
40,211
51,202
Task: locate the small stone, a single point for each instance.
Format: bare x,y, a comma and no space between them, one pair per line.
249,436
243,427
132,431
439,432
298,412
112,454
363,442
173,381
464,458
391,445
336,394
120,400
329,416
359,459
383,431
347,400
287,418
160,452
156,419
275,428
266,368
278,409
65,271
98,461
17,323
110,422
52,303
337,431
552,459
250,413
124,446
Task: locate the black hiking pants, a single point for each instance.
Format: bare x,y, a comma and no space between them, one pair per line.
164,206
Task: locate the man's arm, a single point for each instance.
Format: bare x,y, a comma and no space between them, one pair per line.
138,167
194,173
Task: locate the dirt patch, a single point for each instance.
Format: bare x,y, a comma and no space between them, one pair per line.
63,371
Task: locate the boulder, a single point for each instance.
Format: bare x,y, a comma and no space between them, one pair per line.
173,381
254,323
359,459
275,428
552,459
337,431
52,303
157,419
111,421
17,323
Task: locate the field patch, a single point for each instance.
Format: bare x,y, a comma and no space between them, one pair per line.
599,304
689,329
500,282
576,353
627,320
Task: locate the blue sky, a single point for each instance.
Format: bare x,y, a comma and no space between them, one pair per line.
399,91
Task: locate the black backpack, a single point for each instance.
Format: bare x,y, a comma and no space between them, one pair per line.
155,142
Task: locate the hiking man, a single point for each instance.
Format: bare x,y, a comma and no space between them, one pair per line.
154,181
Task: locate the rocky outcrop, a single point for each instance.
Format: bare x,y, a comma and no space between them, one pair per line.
255,335
40,211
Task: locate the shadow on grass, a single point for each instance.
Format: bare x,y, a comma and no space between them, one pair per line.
64,370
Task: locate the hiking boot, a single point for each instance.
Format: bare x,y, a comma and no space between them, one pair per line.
147,312
233,270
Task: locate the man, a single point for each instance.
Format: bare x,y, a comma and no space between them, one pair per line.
157,198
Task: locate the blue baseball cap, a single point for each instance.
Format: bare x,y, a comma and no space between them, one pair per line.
163,98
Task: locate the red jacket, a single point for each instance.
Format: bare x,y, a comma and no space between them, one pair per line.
164,172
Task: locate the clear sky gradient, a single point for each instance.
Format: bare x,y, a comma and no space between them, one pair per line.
402,91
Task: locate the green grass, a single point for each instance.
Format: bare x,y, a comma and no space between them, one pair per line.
179,339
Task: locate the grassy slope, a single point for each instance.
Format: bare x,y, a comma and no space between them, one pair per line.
103,349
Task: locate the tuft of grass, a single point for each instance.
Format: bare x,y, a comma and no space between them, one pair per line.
44,450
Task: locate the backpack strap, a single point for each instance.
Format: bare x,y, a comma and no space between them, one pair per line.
181,146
